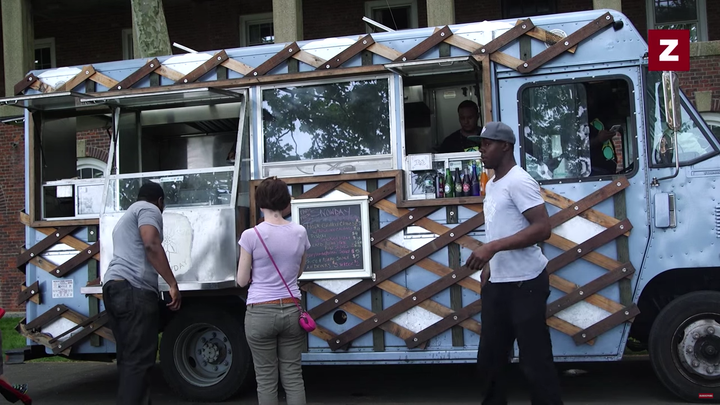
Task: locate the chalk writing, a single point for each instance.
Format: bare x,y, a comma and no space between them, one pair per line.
335,234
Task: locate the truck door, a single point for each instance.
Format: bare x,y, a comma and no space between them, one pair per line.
593,182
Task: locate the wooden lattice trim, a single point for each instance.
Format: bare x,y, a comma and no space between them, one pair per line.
427,44
624,315
505,38
169,73
150,66
90,325
450,320
589,201
566,43
49,241
354,49
591,215
71,241
239,67
307,58
275,60
587,246
85,73
31,293
205,67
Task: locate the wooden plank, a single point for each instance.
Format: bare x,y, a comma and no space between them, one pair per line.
49,241
42,87
68,222
598,300
606,324
440,202
275,60
591,214
31,293
315,192
505,38
85,332
376,295
84,74
463,43
42,264
47,317
237,66
385,191
309,59
386,174
424,46
546,36
106,81
206,67
167,72
23,84
592,257
453,256
399,224
623,249
506,60
566,328
358,311
450,321
354,49
590,288
429,305
71,241
151,66
399,307
398,266
384,51
93,274
586,247
566,43
487,88
590,201
78,260
75,317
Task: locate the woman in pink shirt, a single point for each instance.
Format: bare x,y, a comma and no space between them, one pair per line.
272,330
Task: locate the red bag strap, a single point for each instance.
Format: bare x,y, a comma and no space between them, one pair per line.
276,267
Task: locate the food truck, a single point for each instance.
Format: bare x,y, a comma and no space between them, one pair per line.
352,125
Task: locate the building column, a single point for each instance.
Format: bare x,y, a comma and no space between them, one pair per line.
440,12
18,48
287,20
611,4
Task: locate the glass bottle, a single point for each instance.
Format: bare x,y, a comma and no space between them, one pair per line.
458,183
474,182
449,186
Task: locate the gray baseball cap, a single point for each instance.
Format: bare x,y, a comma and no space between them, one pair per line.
497,131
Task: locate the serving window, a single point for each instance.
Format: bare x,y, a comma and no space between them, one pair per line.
336,127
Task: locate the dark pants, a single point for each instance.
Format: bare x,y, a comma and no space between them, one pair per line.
134,320
517,311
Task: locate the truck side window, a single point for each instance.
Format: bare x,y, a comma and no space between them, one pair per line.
693,143
576,130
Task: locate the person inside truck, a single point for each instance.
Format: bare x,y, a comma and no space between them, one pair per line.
14,392
515,292
603,158
461,140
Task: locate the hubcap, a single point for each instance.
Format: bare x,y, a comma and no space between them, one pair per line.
699,350
203,355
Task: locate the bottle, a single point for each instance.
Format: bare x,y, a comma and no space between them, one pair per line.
458,183
439,185
474,182
466,183
449,186
483,183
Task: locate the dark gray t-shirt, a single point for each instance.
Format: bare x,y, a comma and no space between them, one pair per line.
129,261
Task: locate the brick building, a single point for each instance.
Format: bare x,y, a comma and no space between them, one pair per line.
54,33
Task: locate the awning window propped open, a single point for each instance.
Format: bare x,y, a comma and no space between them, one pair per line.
435,66
168,98
45,102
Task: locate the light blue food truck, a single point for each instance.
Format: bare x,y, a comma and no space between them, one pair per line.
633,260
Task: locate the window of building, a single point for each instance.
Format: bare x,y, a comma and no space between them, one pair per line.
45,53
693,144
713,121
679,14
127,44
527,8
396,14
570,130
256,29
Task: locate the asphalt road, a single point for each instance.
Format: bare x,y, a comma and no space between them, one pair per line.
627,382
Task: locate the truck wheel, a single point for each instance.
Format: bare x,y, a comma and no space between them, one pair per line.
204,355
685,346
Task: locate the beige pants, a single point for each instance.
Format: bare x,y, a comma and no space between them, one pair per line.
276,341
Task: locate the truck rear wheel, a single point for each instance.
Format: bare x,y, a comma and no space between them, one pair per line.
685,346
204,355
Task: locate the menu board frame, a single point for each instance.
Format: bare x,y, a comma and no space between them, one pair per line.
365,271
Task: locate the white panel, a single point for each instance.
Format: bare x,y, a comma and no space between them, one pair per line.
483,32
58,77
187,62
337,286
583,315
60,326
578,229
416,319
327,48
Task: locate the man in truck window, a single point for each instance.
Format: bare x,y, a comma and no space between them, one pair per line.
460,140
516,290
130,292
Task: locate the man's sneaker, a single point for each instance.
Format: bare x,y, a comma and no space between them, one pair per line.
22,388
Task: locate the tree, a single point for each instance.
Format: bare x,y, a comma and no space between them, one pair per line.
150,33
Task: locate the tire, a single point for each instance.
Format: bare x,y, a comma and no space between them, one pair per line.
685,346
204,355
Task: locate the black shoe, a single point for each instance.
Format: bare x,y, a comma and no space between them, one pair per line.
21,388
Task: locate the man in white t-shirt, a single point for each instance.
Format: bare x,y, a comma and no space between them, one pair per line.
515,292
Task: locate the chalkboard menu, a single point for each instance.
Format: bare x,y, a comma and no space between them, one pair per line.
338,231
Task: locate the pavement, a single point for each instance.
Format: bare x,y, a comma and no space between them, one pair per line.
618,383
